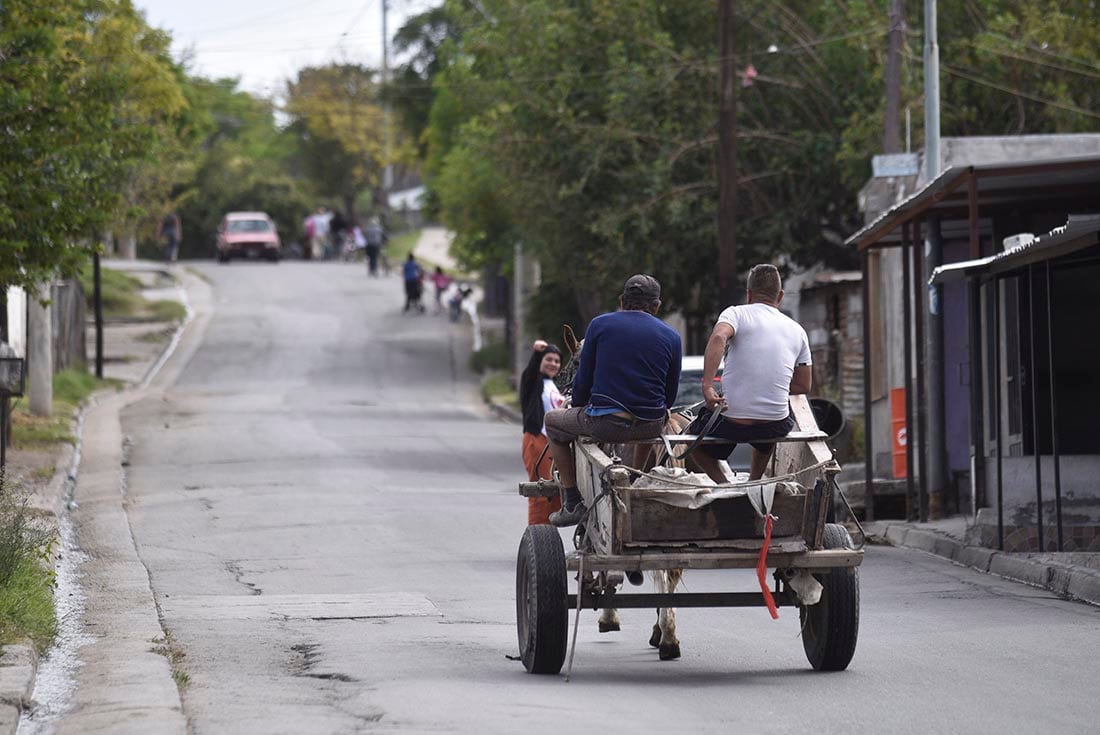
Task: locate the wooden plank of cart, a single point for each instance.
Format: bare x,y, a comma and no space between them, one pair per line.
628,530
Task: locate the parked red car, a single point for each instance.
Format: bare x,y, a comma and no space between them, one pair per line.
247,235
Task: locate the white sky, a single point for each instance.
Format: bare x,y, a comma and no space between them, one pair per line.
265,42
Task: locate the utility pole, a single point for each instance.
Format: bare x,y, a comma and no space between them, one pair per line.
727,154
891,138
931,93
936,482
39,352
387,150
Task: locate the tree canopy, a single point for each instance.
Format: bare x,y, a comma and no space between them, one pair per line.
82,87
587,131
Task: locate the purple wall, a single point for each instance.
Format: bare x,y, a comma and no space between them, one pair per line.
956,363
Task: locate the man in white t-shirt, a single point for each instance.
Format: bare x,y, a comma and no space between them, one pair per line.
767,361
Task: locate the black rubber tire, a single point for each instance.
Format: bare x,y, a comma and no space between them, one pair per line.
830,628
542,617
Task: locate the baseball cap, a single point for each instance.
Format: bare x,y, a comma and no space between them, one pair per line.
642,287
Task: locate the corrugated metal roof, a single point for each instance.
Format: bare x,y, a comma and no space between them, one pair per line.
1080,232
996,183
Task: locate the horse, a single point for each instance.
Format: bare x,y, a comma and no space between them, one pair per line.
665,581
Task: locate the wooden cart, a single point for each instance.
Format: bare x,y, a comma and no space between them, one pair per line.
628,530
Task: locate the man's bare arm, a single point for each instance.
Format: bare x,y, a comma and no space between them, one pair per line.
712,358
802,380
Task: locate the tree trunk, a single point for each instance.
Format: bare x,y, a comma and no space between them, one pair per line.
589,302
128,245
349,207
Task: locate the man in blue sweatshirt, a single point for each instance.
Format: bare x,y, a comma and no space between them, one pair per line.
627,380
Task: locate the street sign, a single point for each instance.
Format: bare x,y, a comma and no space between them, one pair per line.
894,164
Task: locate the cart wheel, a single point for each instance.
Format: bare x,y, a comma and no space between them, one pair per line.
542,618
830,628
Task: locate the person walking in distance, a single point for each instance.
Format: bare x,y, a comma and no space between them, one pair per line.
170,232
413,284
442,282
767,362
318,232
376,240
537,396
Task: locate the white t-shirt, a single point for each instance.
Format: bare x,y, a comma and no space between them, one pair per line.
551,398
760,361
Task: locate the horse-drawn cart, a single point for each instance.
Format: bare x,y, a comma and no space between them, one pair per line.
664,522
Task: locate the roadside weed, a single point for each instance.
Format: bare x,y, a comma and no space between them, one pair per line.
26,571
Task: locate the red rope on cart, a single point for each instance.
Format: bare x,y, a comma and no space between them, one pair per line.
762,567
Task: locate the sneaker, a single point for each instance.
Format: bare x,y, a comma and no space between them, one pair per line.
569,515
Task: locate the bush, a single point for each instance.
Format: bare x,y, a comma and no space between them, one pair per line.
493,356
26,576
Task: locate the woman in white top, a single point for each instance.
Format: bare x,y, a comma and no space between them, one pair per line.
537,395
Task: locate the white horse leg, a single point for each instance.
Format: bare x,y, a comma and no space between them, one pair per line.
664,632
670,646
609,620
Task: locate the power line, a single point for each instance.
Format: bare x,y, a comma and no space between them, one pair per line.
1019,92
264,19
354,20
1046,51
1048,64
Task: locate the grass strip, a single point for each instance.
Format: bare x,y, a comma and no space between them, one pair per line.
399,247
26,603
122,297
26,574
496,386
70,388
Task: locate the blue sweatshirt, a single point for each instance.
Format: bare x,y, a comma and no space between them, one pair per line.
630,362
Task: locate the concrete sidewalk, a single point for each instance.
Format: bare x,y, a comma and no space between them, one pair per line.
434,246
1074,575
112,643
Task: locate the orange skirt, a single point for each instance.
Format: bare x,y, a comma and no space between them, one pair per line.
538,509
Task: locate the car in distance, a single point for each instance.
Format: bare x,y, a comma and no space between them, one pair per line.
691,380
247,235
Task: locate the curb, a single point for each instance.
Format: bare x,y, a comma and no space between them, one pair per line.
19,662
506,413
18,666
1065,580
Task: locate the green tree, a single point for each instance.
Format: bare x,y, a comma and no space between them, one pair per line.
83,86
587,130
338,119
239,160
420,43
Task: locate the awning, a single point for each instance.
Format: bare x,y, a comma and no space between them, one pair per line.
1081,232
994,184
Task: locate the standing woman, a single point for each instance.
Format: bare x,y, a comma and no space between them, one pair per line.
537,395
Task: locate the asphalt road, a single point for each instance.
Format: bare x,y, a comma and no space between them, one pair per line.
330,524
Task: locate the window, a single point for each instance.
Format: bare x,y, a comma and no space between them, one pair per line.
239,226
